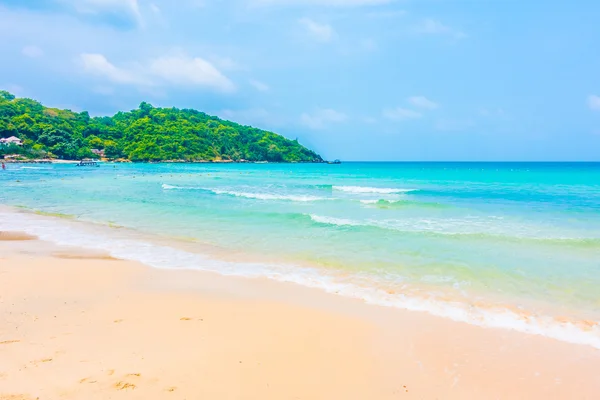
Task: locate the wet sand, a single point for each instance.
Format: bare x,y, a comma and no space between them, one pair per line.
77,324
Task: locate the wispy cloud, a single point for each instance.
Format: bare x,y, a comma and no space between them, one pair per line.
320,32
258,85
129,7
431,26
178,70
401,114
422,102
98,65
225,63
32,51
185,70
593,102
322,117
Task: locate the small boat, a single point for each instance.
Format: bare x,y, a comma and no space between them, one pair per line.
87,163
334,162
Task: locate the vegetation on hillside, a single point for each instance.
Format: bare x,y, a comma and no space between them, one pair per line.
145,134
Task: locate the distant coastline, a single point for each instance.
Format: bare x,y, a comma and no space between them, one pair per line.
63,161
29,130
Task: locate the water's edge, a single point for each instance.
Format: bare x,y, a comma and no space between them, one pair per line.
85,235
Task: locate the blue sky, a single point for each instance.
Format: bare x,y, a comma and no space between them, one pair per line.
353,79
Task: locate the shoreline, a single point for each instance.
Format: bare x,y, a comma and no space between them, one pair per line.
124,161
88,326
171,254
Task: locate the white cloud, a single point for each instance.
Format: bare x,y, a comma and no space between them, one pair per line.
336,3
320,118
433,27
97,64
252,116
260,86
130,7
178,70
32,51
321,32
422,102
400,114
594,102
224,63
183,70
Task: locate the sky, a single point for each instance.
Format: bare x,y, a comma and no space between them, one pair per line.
426,80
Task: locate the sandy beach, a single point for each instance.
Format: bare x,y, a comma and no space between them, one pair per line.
78,324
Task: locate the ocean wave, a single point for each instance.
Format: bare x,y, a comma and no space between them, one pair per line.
483,228
250,195
334,221
173,187
374,201
270,196
366,189
159,256
385,203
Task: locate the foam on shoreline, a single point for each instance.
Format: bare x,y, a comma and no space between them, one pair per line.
66,232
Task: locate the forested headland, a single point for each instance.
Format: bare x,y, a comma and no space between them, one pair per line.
145,134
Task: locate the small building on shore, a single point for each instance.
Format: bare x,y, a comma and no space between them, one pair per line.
11,140
99,153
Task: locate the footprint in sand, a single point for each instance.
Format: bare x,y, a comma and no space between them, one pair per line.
124,386
10,341
43,360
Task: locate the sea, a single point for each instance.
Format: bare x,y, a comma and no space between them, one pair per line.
503,245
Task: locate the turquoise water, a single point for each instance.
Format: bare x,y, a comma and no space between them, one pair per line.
515,245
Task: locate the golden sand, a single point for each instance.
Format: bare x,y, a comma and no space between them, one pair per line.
90,328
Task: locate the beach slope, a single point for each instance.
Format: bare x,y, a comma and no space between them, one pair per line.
81,325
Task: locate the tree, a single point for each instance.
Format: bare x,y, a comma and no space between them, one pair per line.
6,95
144,134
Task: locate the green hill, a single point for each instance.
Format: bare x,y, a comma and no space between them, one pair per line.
145,134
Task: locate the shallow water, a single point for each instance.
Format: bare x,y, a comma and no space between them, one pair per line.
502,244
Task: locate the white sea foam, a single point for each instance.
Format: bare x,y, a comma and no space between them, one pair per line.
490,225
334,221
365,189
69,233
173,187
270,196
370,201
249,195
